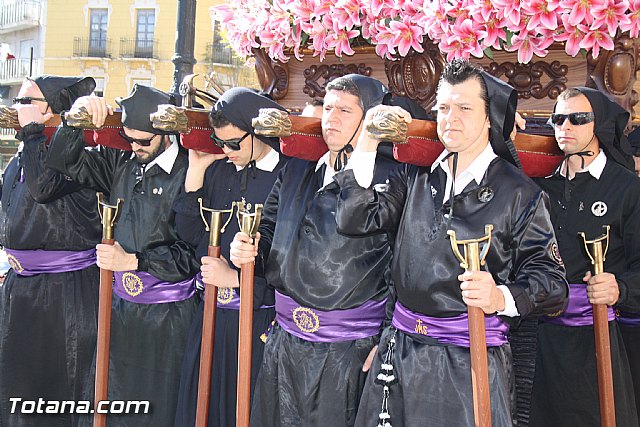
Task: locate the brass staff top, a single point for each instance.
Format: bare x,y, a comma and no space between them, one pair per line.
215,228
247,221
108,215
472,258
597,254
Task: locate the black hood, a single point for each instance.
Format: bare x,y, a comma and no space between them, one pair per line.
609,125
503,101
61,92
240,105
140,104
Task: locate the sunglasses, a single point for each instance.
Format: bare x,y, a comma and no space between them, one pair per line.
141,142
27,100
576,119
233,144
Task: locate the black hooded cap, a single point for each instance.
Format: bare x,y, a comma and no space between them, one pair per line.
503,101
240,105
61,92
371,91
140,104
609,125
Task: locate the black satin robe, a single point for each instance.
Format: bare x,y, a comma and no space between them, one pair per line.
565,386
425,270
222,186
147,340
304,383
47,322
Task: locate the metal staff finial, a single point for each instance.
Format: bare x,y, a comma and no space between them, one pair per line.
108,215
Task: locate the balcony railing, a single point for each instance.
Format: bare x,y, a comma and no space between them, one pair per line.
132,48
19,15
14,70
221,54
91,48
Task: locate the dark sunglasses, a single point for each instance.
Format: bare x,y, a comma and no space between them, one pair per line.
576,119
27,100
233,144
141,142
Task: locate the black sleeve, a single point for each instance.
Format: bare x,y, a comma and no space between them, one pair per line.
364,211
89,168
173,262
539,286
189,224
44,185
268,224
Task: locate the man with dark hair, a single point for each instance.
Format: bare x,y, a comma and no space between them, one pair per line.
592,187
422,369
331,288
49,227
252,167
154,293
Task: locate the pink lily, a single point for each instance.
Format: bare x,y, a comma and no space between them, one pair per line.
407,35
595,39
612,14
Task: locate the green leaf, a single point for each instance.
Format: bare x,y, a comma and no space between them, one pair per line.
488,52
509,36
303,39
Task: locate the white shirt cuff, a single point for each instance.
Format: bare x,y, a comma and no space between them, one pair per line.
510,309
362,164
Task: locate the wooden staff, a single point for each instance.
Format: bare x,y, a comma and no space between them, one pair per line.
249,223
471,261
597,254
215,228
108,216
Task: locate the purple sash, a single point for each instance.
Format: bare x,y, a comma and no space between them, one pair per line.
228,298
579,311
38,261
448,330
315,325
143,288
627,319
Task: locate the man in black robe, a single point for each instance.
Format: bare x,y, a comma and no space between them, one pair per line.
154,293
331,288
422,372
252,167
49,227
594,186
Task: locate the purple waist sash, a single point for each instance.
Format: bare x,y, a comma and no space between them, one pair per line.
579,311
448,330
315,325
38,261
627,319
143,288
228,298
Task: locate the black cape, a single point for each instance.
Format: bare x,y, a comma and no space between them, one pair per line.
308,259
48,322
565,363
147,340
222,183
425,271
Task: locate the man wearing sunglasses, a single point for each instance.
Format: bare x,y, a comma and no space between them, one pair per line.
49,227
246,170
594,186
154,293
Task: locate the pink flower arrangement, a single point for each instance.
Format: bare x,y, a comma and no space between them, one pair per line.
460,28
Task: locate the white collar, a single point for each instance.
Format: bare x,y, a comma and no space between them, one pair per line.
268,163
324,160
167,159
476,169
595,168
